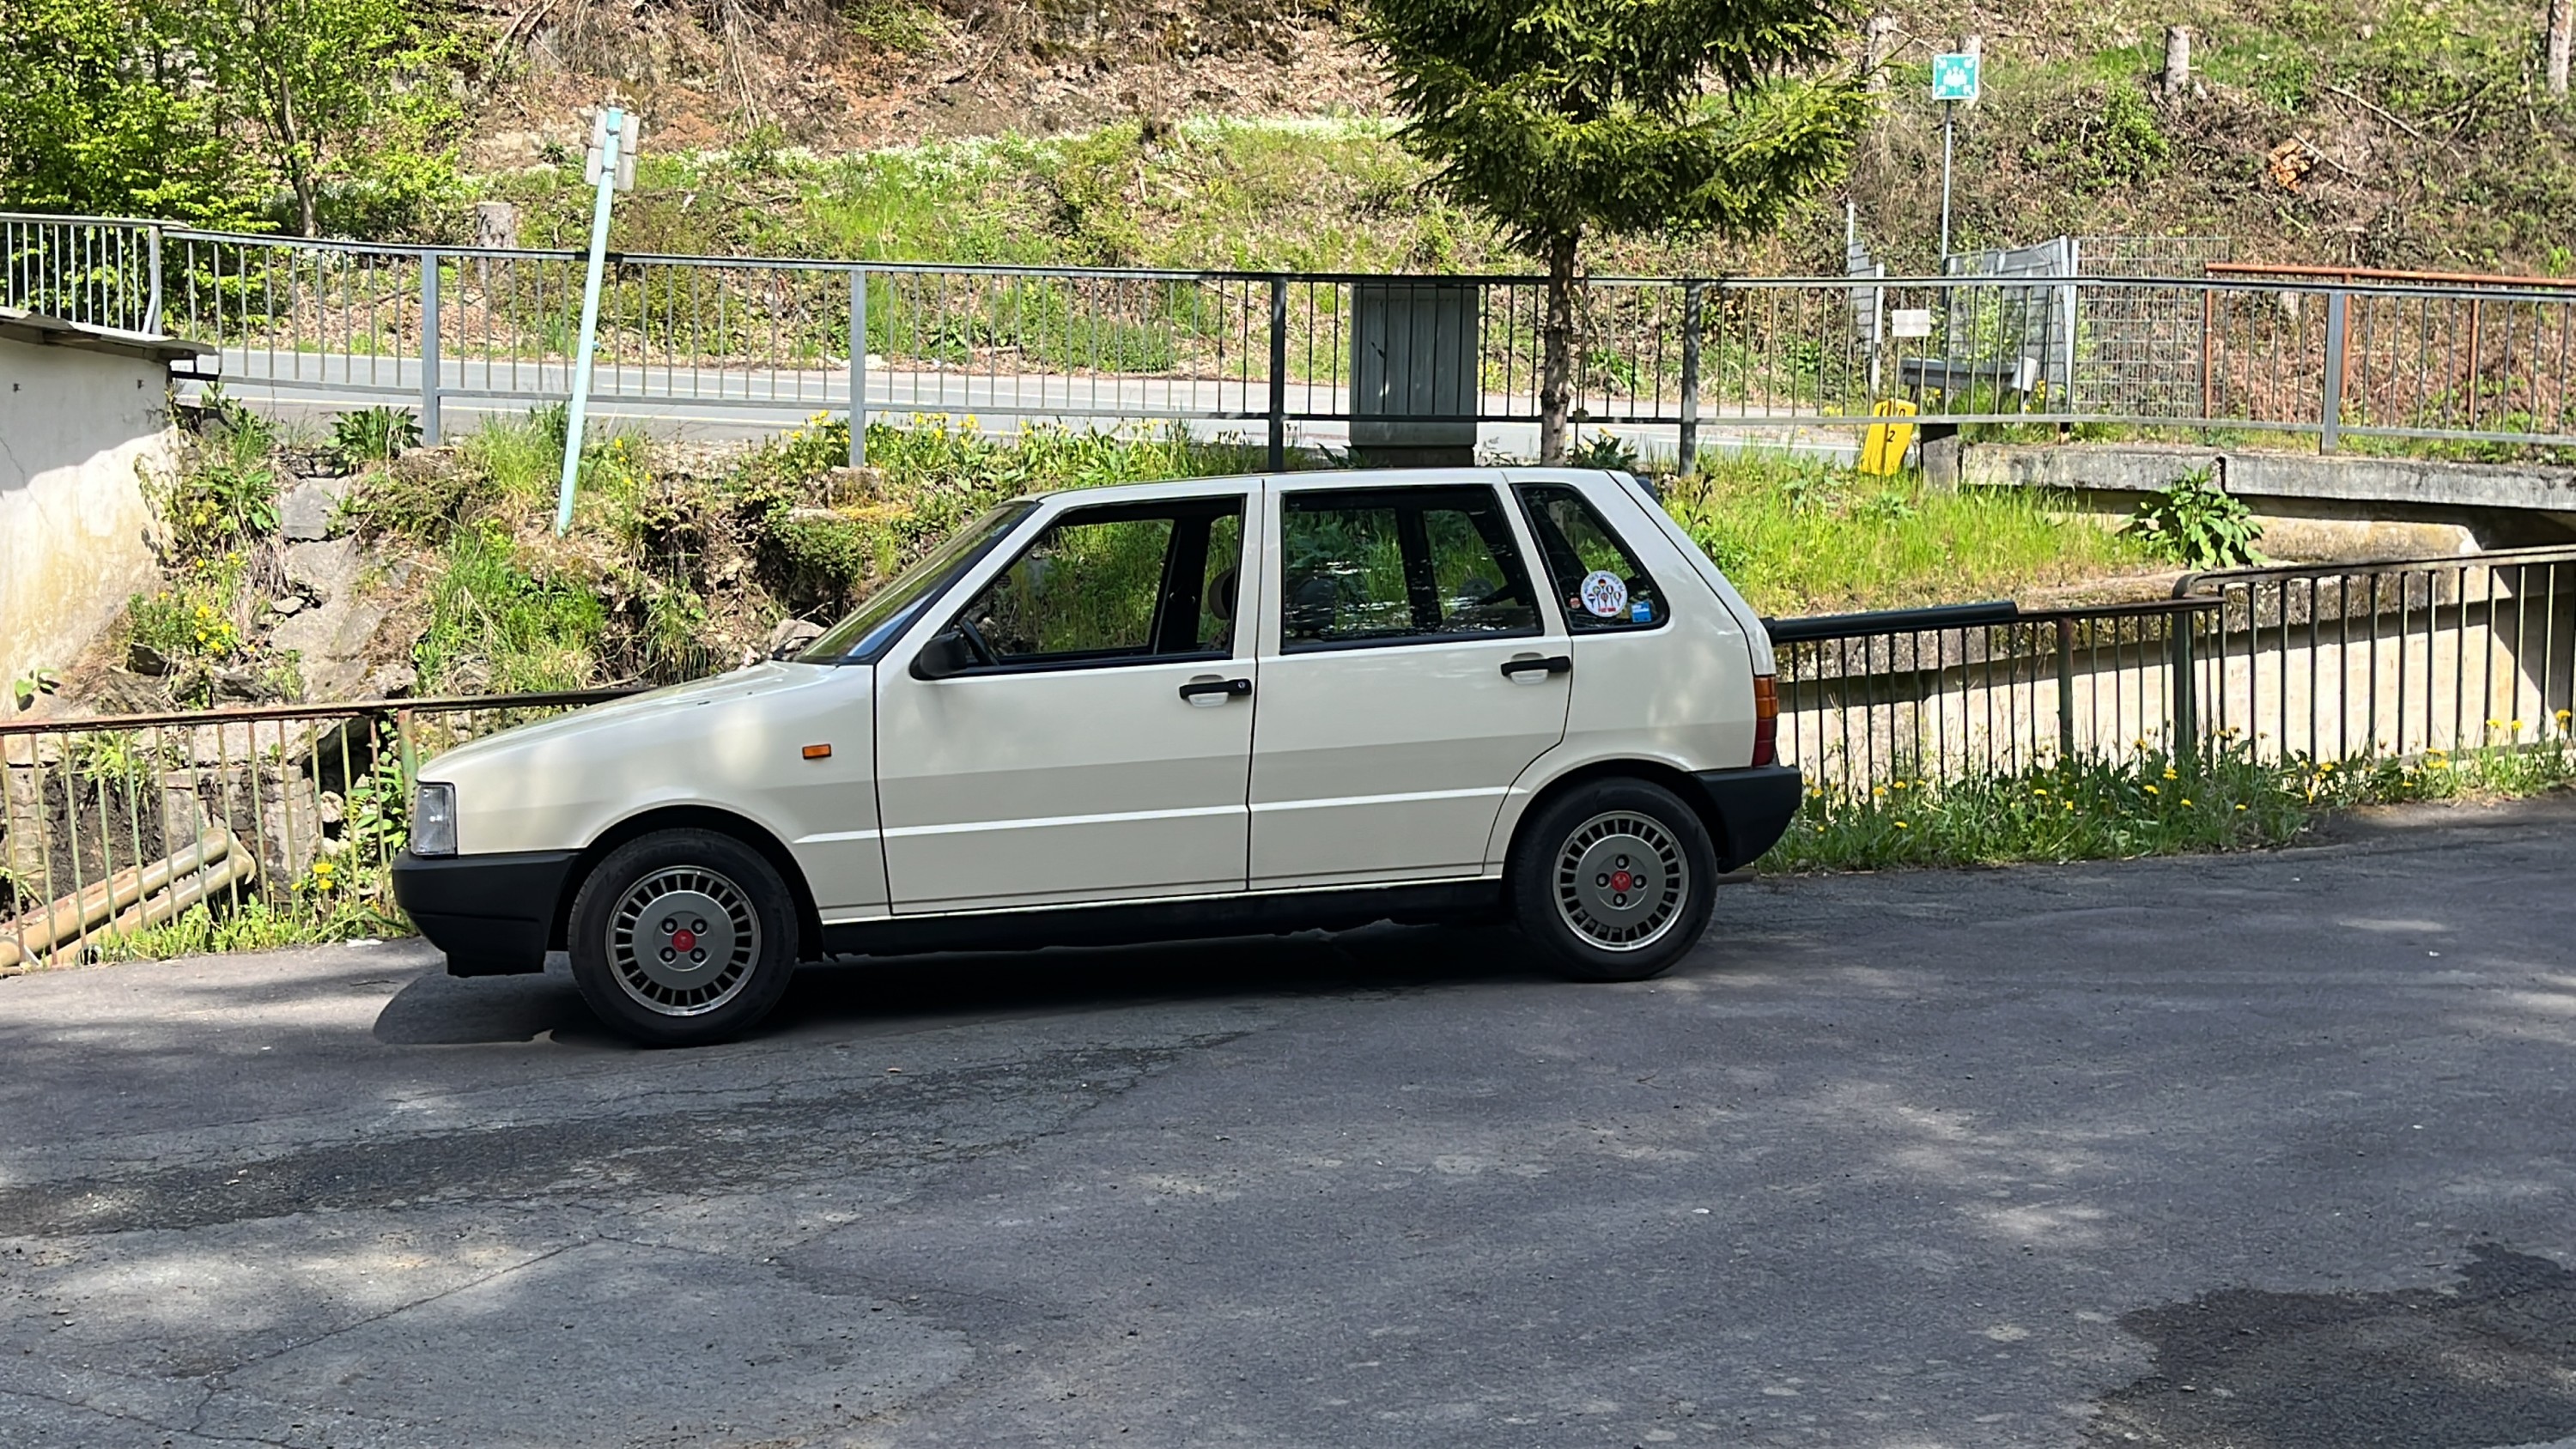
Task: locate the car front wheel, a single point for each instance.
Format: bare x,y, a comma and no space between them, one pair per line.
683,937
1613,880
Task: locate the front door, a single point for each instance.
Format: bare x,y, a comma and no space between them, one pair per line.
1409,673
1095,743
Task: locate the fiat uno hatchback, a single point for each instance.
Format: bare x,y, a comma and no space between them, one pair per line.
1189,709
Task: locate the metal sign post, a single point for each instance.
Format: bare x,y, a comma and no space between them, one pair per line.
614,137
1954,79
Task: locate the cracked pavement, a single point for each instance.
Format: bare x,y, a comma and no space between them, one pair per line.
2160,1152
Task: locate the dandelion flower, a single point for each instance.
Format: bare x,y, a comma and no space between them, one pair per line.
2152,790
2170,775
2043,794
2186,800
1901,825
2240,809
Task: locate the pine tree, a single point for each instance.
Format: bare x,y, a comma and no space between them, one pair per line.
1559,119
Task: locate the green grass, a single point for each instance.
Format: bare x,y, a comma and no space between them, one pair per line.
254,925
2089,809
1801,537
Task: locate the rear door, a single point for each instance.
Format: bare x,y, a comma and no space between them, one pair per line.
1409,673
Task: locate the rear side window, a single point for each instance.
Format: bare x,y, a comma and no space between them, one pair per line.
1396,565
1597,579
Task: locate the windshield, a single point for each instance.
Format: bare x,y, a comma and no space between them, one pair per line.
892,606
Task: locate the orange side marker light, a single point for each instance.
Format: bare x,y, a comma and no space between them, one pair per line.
818,752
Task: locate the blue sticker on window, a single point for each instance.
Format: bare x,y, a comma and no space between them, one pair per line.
1641,612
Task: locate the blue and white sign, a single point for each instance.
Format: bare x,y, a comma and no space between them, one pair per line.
1954,77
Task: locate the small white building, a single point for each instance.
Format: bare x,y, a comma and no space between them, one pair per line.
84,414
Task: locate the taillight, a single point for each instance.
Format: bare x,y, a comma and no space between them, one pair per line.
1766,719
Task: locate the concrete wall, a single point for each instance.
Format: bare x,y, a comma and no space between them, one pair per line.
75,533
2311,506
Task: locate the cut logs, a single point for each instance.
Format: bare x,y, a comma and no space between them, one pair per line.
131,899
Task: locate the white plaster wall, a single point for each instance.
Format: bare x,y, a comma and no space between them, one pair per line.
75,533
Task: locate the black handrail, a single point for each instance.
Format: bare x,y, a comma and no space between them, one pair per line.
1892,621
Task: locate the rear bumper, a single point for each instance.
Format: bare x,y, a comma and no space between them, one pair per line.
492,914
1754,806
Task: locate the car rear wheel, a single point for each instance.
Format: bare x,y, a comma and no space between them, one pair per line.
683,937
1612,880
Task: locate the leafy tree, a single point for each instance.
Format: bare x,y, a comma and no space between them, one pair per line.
99,115
1561,118
336,92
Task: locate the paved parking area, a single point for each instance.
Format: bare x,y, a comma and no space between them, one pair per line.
2257,1151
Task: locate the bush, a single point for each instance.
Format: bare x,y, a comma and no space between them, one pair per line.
2195,523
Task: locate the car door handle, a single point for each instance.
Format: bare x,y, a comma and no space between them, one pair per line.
1553,664
1230,688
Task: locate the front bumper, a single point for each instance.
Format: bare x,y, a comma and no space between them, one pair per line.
1751,809
493,915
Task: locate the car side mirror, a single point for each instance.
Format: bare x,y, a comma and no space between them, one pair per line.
948,652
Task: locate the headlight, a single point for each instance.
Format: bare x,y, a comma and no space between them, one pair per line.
433,820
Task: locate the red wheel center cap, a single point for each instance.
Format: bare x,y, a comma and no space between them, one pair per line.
1622,881
685,940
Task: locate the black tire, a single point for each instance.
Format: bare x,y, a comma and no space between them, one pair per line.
1652,878
719,910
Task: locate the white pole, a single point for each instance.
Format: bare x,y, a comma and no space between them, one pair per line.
1946,108
580,401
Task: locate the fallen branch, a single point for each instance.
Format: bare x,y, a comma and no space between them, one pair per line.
2383,113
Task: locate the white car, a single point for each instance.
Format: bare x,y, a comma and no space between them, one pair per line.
1169,710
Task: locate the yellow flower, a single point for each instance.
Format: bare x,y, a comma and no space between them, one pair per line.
2565,715
2186,800
2495,724
1878,789
1901,825
2439,764
2152,790
2517,726
2240,809
1900,784
2043,794
2170,775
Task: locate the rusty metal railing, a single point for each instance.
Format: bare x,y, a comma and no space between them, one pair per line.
117,825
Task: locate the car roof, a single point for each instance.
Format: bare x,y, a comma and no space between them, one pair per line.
1341,478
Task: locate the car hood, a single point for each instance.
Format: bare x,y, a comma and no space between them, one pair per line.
768,678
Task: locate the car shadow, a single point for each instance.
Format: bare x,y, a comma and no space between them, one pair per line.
439,1010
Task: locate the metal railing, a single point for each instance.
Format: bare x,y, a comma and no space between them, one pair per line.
113,826
2329,663
338,324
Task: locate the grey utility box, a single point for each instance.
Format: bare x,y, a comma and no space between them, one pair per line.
1414,371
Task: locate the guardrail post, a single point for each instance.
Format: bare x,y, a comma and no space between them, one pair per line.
858,367
1278,372
152,259
2331,415
429,348
1687,463
2186,694
2065,688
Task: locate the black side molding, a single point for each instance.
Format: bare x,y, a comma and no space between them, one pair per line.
1129,923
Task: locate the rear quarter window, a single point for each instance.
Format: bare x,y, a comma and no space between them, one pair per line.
1597,578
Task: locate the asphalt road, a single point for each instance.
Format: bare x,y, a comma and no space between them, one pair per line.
2257,1151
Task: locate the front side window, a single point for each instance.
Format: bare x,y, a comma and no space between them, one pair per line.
1597,579
1116,583
1383,565
861,636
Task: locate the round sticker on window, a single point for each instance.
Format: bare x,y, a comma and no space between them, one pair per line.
1604,596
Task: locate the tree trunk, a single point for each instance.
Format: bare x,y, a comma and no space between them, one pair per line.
2562,29
1556,366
